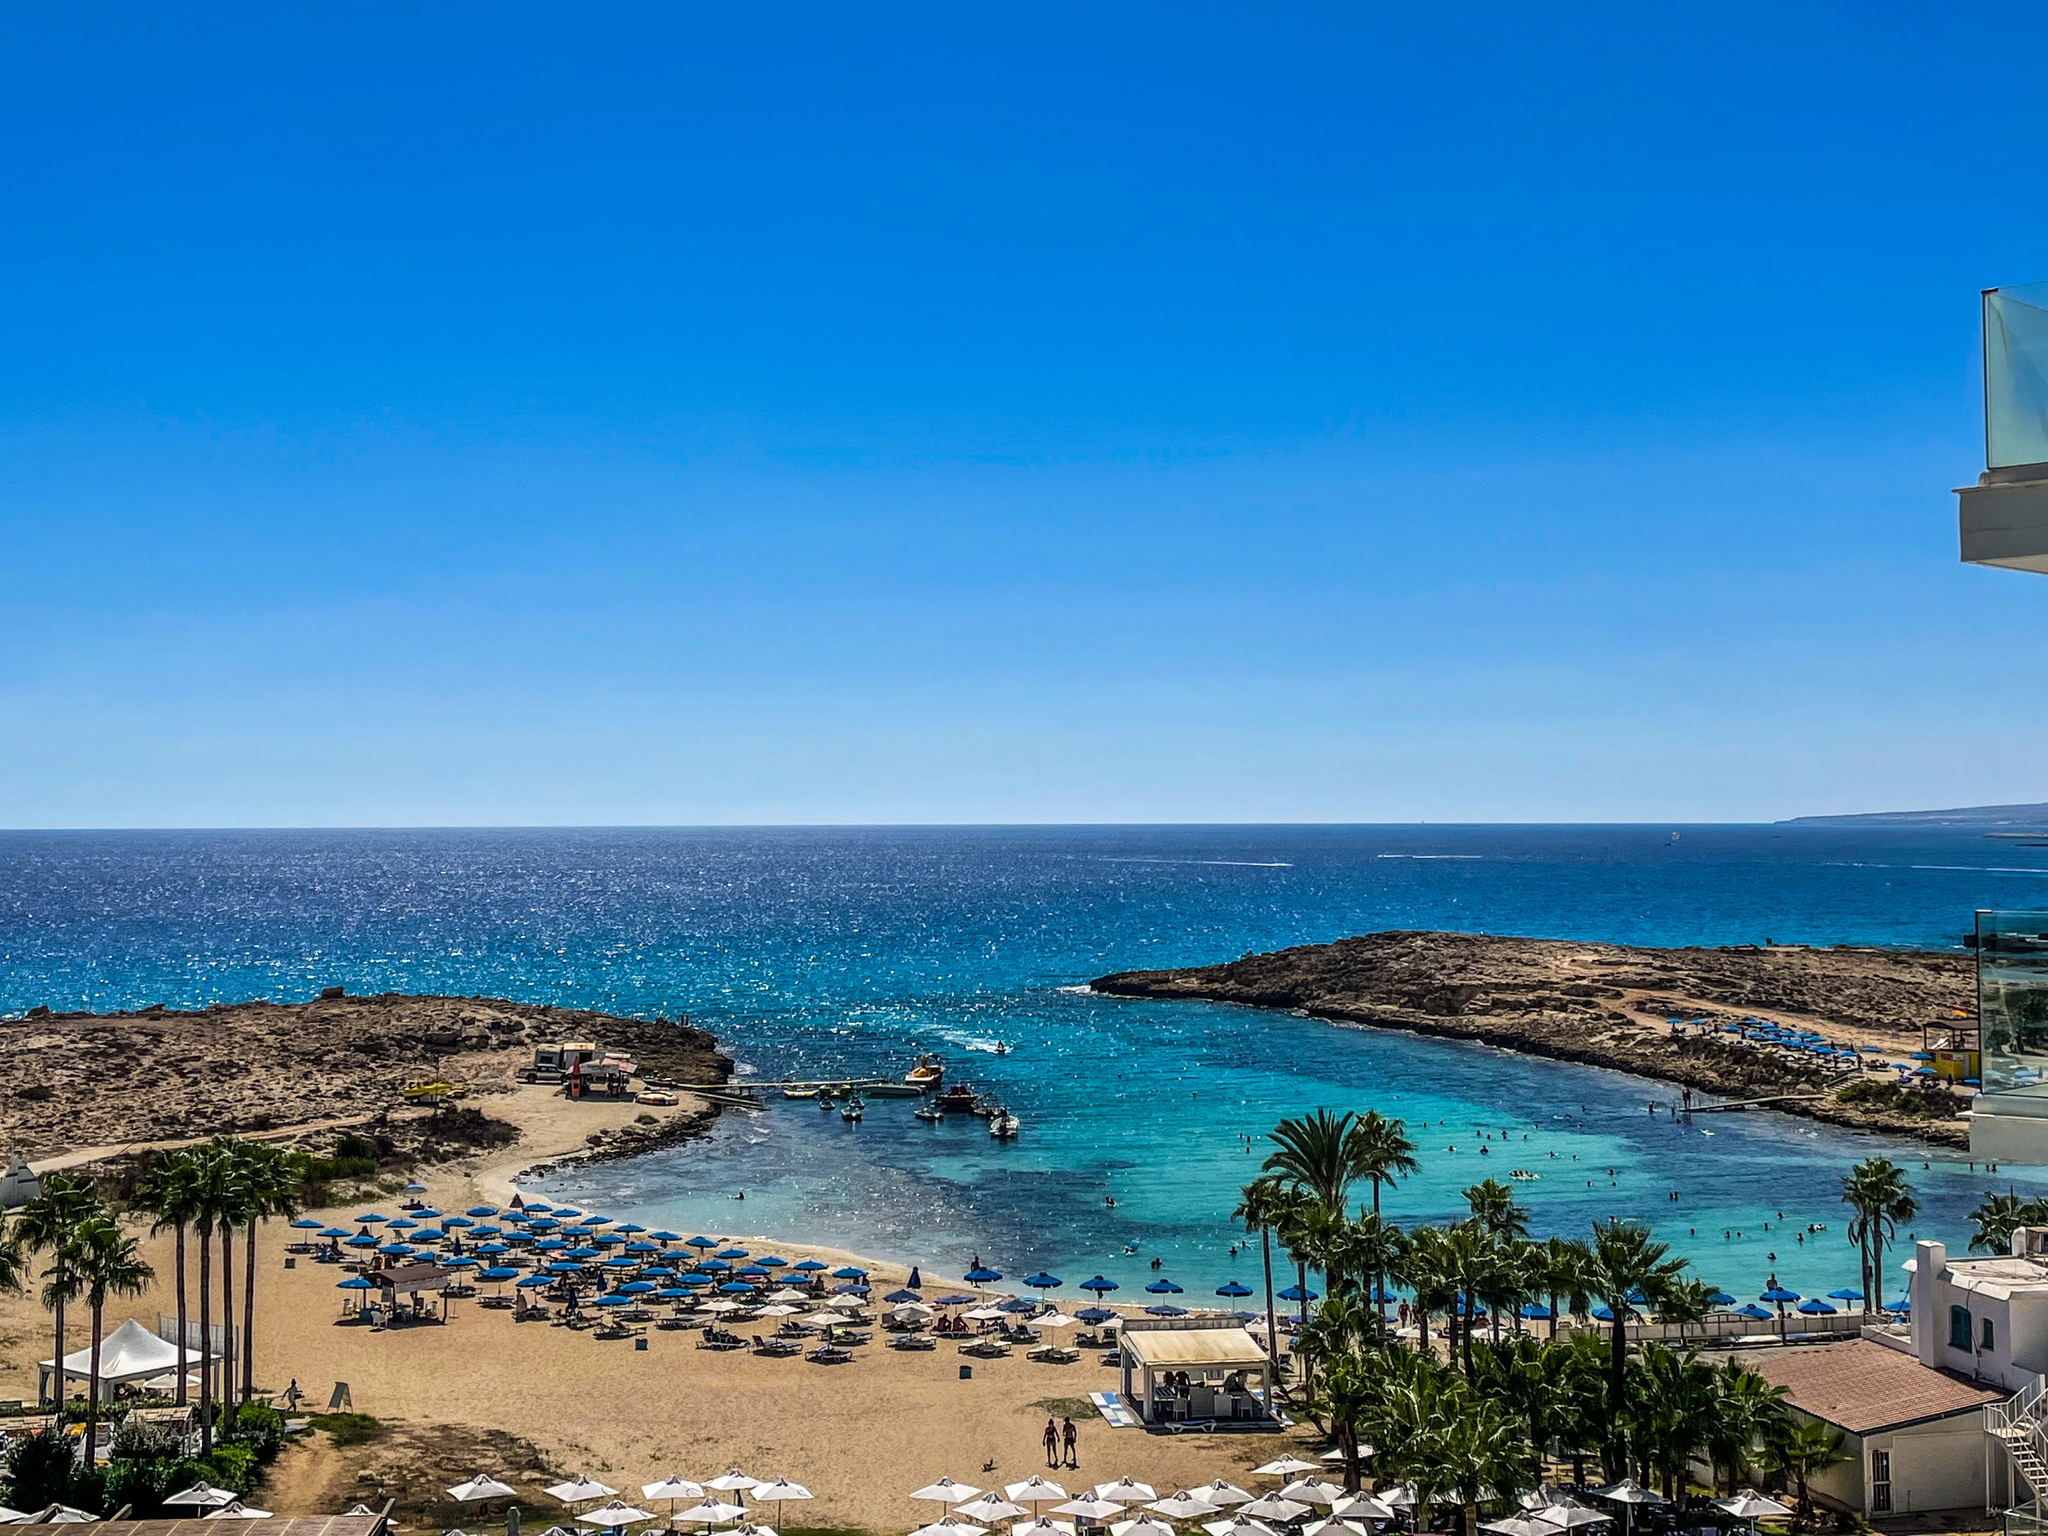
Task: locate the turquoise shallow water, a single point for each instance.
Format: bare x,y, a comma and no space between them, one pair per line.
828,951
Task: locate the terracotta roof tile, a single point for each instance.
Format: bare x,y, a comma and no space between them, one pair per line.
1863,1386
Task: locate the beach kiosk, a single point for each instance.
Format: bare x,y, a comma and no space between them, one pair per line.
1180,1370
420,1282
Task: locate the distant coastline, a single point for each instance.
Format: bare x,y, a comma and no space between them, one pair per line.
1609,1005
2027,817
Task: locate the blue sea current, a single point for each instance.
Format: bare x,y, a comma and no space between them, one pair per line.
824,952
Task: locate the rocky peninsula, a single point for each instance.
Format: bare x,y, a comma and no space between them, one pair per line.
71,1081
1608,1005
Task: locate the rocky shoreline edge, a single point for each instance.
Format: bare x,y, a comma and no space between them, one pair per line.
1608,1005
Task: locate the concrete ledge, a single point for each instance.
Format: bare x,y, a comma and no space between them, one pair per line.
2004,521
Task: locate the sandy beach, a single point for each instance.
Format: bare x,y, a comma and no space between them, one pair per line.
527,1401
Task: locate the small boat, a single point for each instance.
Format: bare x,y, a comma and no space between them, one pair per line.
1002,1047
957,1097
987,1107
930,1114
824,1100
892,1091
851,1110
1003,1126
799,1093
927,1074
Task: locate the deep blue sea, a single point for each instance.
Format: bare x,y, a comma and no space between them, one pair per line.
816,952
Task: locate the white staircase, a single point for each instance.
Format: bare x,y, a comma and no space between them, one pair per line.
2020,1423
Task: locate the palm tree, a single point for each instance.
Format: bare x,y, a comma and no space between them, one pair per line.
1798,1450
1628,1269
1877,1191
1567,1262
1382,1153
1345,1394
1317,1154
273,1195
1689,1301
1426,1267
1674,1405
47,1224
107,1262
168,1192
1492,1205
2002,1215
1747,1411
1260,1206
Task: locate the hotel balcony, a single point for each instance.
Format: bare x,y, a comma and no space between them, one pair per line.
2004,516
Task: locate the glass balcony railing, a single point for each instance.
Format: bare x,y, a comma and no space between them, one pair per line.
2016,375
2012,1001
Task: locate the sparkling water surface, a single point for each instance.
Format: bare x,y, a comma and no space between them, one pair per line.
830,952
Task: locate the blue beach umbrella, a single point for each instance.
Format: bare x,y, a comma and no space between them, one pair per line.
694,1280
1043,1282
396,1250
715,1267
1098,1285
1292,1293
1535,1311
772,1262
1234,1288
583,1253
664,1237
850,1272
1721,1299
488,1231
531,1281
621,1262
427,1213
671,1293
335,1232
849,1289
562,1269
1903,1304
736,1288
809,1266
497,1274
636,1287
1813,1306
481,1210
565,1211
900,1297
658,1273
356,1283
754,1271
372,1217
1015,1304
534,1207
459,1263
630,1227
1163,1287
732,1253
1846,1293
489,1249
638,1247
457,1221
1605,1314
361,1240
1167,1309
305,1225
549,1245
712,1242
956,1301
1094,1315
1779,1294
1754,1312
608,1240
428,1235
581,1229
982,1276
611,1301
401,1224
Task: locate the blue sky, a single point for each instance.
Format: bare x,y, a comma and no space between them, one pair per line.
463,414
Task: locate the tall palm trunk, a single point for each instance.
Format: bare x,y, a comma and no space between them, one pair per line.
249,1313
182,1390
1272,1330
227,1315
1617,1391
92,1392
1552,1298
206,1361
59,1276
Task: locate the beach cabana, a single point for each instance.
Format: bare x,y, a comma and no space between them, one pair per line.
129,1356
1218,1360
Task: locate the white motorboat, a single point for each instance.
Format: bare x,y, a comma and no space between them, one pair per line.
1004,1126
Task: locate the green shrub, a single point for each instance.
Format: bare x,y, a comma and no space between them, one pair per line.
143,1485
231,1466
136,1439
258,1426
347,1428
40,1470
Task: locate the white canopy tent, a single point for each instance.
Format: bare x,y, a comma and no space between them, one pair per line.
131,1353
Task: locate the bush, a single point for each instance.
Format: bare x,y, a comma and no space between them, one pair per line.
136,1439
143,1485
258,1426
40,1470
347,1428
231,1466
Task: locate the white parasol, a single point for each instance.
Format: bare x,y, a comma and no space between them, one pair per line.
1237,1525
671,1488
580,1489
481,1487
713,1512
946,1525
1043,1528
1183,1506
201,1496
990,1507
1034,1490
1286,1466
779,1492
946,1491
732,1480
1313,1490
1144,1525
616,1513
1221,1494
235,1509
1089,1507
1273,1507
1751,1505
1126,1490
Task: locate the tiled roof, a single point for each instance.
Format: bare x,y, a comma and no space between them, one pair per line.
1863,1386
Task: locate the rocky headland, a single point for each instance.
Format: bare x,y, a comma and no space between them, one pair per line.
81,1080
1608,1005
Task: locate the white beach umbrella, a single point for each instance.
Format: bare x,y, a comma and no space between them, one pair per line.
1629,1491
787,1293
713,1512
1273,1507
1182,1506
1751,1505
1313,1490
1035,1490
1286,1466
946,1491
1513,1525
64,1514
1361,1506
780,1309
1567,1517
1053,1319
824,1319
721,1305
913,1311
1043,1528
985,1314
235,1509
616,1513
991,1507
1544,1496
779,1492
1336,1525
731,1480
580,1489
1126,1490
751,1530
356,1511
671,1488
1238,1525
847,1303
200,1496
1221,1494
1399,1496
1089,1507
946,1525
1144,1525
479,1488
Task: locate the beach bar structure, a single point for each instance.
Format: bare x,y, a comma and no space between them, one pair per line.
129,1356
417,1281
1185,1369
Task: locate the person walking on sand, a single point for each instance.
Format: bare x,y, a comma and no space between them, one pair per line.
1051,1438
1072,1439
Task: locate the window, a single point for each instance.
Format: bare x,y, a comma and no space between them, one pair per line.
1986,1337
1958,1327
1880,1482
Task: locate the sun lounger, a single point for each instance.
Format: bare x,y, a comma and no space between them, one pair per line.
829,1354
986,1349
913,1341
717,1338
777,1347
1053,1354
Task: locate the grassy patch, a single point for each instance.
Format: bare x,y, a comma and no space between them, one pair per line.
348,1428
1064,1407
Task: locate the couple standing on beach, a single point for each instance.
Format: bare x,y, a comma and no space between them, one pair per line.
1058,1436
